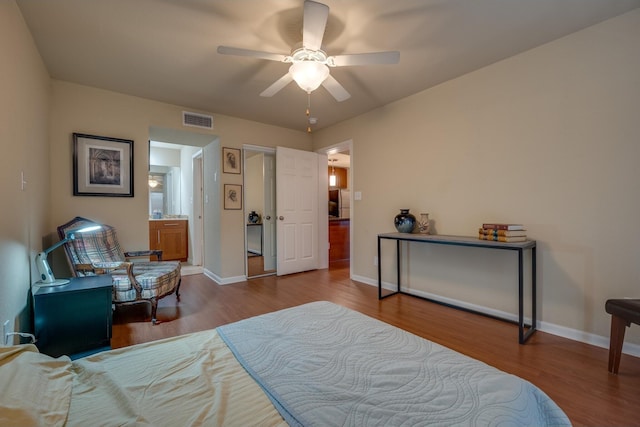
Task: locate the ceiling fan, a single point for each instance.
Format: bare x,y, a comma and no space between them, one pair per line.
309,63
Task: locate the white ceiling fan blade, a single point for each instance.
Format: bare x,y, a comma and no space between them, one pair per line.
278,85
314,23
392,57
335,89
226,50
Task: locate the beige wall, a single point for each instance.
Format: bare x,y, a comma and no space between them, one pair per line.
548,138
24,116
76,108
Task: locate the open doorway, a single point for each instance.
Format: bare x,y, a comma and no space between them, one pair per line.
340,199
176,182
173,186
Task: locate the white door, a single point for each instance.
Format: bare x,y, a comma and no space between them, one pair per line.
297,210
198,235
269,213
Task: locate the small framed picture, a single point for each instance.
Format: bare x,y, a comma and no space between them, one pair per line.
232,196
231,160
102,166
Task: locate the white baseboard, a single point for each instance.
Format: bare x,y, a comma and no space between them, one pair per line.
223,281
549,328
585,337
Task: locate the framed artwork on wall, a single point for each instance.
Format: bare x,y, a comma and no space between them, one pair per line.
231,160
102,166
232,196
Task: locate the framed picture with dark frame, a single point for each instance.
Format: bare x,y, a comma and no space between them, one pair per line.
102,166
231,160
232,196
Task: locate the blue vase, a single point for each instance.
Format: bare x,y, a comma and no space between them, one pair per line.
404,221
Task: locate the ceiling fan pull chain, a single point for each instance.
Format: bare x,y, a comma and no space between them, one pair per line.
308,112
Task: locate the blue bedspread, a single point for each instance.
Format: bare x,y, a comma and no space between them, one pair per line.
324,365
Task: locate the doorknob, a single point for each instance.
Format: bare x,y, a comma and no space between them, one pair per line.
281,218
268,217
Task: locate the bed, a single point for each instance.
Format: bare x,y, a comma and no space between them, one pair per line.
318,364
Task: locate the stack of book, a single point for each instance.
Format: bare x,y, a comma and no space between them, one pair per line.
500,232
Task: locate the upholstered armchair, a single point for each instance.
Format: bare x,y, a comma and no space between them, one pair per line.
98,252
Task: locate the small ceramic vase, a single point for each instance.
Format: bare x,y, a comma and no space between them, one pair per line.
423,224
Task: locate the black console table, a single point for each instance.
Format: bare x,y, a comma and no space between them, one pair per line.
520,247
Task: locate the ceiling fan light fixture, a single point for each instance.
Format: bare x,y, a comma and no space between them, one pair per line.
309,75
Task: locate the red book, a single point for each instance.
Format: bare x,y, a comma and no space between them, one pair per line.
502,226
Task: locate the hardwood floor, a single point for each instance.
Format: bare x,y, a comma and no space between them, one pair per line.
571,373
255,266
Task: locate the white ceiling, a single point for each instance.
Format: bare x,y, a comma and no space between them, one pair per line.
340,160
166,49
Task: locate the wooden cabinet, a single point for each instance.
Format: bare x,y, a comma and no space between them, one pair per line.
73,319
342,180
171,237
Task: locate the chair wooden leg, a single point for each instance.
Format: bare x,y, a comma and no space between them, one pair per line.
178,289
618,327
154,309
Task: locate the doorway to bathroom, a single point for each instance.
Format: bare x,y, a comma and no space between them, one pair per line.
175,184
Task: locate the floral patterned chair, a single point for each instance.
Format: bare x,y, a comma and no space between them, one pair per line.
98,252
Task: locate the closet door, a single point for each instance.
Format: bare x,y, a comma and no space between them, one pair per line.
269,217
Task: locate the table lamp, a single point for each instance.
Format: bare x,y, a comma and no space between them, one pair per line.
44,271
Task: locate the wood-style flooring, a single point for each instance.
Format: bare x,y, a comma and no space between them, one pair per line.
255,266
573,374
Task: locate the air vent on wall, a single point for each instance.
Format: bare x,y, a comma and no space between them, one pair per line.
197,120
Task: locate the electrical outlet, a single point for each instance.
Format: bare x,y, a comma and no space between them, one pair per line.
5,332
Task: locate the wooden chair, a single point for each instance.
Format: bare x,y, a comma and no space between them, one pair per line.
98,252
623,313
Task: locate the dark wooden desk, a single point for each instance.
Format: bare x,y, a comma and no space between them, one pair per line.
520,247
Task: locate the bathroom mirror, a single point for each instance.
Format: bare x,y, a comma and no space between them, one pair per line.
164,190
164,179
